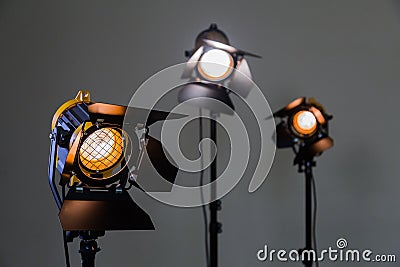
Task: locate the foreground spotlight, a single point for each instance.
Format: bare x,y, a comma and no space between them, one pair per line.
96,158
214,66
304,128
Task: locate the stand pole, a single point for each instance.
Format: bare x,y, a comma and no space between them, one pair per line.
88,249
309,216
215,226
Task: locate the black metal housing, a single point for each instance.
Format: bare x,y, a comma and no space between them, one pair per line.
101,210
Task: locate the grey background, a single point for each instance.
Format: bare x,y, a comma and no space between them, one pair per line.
345,53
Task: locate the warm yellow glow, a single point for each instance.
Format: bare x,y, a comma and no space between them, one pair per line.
215,65
318,114
102,149
304,122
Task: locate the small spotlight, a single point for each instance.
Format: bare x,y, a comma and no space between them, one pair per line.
214,69
304,127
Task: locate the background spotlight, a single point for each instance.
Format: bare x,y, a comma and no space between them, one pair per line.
304,128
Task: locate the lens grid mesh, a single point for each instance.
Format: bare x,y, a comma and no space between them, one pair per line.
102,149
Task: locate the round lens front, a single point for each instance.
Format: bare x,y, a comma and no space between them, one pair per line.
102,149
215,65
304,123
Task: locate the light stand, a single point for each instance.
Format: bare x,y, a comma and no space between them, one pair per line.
307,169
215,206
207,82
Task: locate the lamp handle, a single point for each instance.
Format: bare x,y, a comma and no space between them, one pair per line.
52,167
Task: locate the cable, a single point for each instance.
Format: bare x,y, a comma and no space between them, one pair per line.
66,251
315,219
201,189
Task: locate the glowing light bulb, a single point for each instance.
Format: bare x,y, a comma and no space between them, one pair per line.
304,122
215,65
102,149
